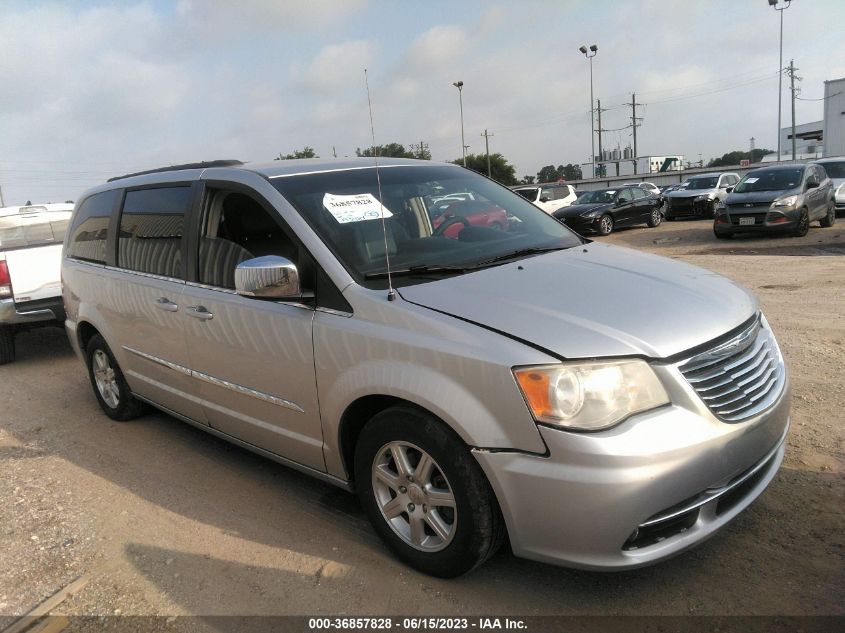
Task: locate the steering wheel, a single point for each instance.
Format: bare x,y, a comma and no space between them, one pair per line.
455,219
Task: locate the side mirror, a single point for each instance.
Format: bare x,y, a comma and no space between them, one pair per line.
268,277
544,198
728,189
812,184
621,201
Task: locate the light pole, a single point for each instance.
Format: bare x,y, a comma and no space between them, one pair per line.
593,49
460,86
774,4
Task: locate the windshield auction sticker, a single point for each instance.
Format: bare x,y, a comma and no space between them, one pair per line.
357,208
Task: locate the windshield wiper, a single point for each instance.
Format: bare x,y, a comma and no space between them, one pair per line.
522,252
422,269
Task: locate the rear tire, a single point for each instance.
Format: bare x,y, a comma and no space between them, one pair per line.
110,387
416,498
605,225
7,344
830,219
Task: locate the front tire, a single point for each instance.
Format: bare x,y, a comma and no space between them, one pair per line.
655,219
425,495
7,344
803,226
605,225
110,387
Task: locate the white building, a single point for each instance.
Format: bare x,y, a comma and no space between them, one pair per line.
834,117
808,142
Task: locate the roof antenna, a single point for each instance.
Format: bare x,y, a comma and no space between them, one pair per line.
391,293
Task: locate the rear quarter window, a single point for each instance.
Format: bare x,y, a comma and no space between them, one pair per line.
90,228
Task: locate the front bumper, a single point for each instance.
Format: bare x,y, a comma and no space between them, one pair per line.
689,207
581,224
643,491
767,222
31,311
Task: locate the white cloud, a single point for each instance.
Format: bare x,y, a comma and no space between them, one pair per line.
227,17
335,67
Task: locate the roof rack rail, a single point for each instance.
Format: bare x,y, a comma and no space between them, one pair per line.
202,165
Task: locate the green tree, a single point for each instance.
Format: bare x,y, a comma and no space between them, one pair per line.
572,172
391,150
305,152
550,173
733,158
500,169
527,180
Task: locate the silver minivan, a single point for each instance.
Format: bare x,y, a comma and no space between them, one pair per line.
473,384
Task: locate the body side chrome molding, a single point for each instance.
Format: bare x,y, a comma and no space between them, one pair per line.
218,382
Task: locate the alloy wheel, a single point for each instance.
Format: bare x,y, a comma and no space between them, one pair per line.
105,379
414,496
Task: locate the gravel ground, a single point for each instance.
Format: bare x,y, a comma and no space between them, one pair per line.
162,519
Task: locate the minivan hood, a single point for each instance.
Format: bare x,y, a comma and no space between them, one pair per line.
594,300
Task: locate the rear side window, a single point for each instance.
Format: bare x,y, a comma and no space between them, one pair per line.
151,228
91,227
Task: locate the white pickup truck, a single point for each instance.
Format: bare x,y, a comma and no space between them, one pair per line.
30,270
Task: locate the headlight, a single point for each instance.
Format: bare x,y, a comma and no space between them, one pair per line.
706,196
590,396
787,201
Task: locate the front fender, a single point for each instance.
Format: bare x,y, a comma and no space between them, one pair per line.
468,384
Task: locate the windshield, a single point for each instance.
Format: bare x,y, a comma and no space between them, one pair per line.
528,194
23,231
602,196
702,183
835,170
770,180
425,225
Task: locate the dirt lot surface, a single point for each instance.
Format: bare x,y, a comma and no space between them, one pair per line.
161,518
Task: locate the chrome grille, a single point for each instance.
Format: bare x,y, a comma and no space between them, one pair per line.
738,378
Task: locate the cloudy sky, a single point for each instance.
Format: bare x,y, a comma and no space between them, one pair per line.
89,90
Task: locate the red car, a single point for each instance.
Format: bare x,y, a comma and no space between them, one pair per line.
449,219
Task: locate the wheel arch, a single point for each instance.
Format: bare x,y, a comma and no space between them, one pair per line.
359,412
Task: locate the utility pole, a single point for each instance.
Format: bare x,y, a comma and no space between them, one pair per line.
2,204
334,152
794,91
598,110
635,123
419,149
487,136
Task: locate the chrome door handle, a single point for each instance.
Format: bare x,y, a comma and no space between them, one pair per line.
163,303
199,312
